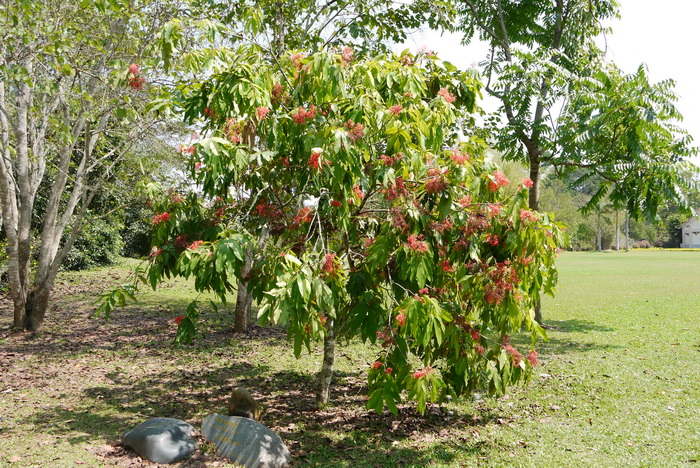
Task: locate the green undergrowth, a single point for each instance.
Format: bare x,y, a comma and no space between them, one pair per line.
618,382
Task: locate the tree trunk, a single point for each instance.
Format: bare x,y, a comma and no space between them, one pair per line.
599,240
244,301
617,230
323,392
36,306
627,231
534,204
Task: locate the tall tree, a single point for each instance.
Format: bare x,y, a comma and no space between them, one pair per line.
69,108
542,58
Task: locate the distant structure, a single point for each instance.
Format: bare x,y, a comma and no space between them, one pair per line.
691,232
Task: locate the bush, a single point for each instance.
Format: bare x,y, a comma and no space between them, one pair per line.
136,232
99,244
642,244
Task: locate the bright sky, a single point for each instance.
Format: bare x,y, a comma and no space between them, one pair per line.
661,34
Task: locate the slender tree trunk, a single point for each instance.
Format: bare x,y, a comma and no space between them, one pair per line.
323,392
617,230
244,301
599,240
534,204
627,231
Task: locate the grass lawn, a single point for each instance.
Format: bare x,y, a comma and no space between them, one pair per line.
618,383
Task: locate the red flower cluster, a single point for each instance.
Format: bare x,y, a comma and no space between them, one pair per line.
358,192
493,239
336,203
315,160
446,267
346,55
179,319
301,115
386,337
532,358
396,110
503,278
396,190
262,112
436,185
527,216
356,131
376,365
296,60
233,128
417,244
446,94
195,244
182,149
181,242
527,183
397,219
465,201
328,267
500,181
389,160
278,93
407,60
305,215
161,218
156,252
401,319
459,158
265,210
136,80
422,372
494,209
517,357
442,226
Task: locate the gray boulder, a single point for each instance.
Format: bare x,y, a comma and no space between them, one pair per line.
246,442
161,440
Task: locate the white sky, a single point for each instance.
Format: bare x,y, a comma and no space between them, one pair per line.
664,35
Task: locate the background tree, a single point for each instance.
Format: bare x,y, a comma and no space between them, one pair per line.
69,108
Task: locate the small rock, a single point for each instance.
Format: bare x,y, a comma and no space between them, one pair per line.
161,440
246,442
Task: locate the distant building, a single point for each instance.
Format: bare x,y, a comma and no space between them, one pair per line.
691,232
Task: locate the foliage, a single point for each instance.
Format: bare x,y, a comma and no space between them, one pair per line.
100,244
383,226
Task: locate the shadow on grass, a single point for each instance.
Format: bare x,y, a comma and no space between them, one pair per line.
343,434
577,326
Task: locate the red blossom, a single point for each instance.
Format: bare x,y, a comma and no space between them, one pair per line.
300,115
527,183
195,244
197,166
156,252
388,370
465,201
407,60
446,267
296,60
358,192
396,110
422,372
423,291
459,158
527,215
436,185
494,209
376,365
315,161
446,94
179,319
517,357
305,215
328,268
262,112
500,180
401,319
181,242
479,349
397,219
346,55
284,161
336,203
277,92
493,239
356,131
532,358
396,190
134,69
161,218
417,244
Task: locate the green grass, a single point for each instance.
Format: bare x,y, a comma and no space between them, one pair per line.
618,383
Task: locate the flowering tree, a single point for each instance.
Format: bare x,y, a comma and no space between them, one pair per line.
382,224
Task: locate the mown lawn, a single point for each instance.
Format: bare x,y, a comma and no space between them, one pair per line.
618,383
